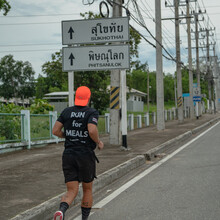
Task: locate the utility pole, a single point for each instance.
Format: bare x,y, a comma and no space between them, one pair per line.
216,95
148,92
208,70
115,119
178,65
159,68
190,62
197,58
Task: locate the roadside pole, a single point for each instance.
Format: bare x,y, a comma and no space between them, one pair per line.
71,88
190,63
148,92
208,69
159,68
178,65
115,120
124,109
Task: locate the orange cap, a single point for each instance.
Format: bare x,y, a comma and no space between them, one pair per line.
82,96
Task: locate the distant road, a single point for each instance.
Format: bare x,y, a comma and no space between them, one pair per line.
185,187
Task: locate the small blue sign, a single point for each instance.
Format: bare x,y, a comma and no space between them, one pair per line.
219,100
186,95
195,85
196,98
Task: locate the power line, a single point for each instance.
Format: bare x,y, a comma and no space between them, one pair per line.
21,45
21,51
48,15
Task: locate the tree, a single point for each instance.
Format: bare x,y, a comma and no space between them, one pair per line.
5,6
169,94
56,79
17,78
41,87
98,82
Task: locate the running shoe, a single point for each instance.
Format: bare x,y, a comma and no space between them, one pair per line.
58,215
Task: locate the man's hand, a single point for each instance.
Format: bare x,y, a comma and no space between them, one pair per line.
100,145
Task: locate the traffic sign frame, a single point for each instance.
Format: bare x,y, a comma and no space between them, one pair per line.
103,30
95,58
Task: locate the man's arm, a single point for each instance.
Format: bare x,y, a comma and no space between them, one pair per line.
94,135
57,130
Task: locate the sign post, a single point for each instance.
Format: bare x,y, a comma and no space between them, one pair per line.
85,57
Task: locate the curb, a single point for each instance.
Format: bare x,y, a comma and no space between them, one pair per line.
46,209
161,148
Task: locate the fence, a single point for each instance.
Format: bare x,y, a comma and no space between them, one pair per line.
27,129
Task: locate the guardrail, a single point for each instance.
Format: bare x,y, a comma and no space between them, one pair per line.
25,129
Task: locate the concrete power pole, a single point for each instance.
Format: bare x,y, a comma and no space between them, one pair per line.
148,92
159,68
197,58
215,74
208,70
178,65
115,120
190,63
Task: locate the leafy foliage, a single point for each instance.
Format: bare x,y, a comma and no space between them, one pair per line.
5,6
41,107
10,126
17,78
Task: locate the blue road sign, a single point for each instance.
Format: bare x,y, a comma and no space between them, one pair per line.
186,95
196,98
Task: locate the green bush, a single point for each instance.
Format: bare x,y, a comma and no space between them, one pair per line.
10,126
41,107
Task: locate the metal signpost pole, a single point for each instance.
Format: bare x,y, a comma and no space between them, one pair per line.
71,88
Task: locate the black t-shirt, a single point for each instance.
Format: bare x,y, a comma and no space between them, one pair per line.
75,120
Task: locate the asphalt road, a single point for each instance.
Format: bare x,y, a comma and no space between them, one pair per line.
183,187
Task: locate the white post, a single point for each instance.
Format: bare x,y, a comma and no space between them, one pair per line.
53,118
71,87
154,118
139,121
213,107
147,119
170,111
165,112
185,113
27,127
124,125
197,110
208,107
107,122
174,113
131,121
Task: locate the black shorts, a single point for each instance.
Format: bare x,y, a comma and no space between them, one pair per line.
79,165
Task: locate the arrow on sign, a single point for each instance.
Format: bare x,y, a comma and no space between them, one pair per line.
71,31
71,57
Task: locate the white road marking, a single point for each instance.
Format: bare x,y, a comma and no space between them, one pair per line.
117,192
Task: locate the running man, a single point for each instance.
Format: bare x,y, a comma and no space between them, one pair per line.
78,160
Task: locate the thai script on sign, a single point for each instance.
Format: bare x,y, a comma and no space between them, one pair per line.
105,56
113,28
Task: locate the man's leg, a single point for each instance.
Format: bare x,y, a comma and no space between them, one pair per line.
67,199
87,200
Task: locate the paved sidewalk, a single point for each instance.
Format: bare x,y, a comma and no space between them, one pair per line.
31,177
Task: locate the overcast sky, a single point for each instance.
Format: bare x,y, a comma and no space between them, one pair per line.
32,29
